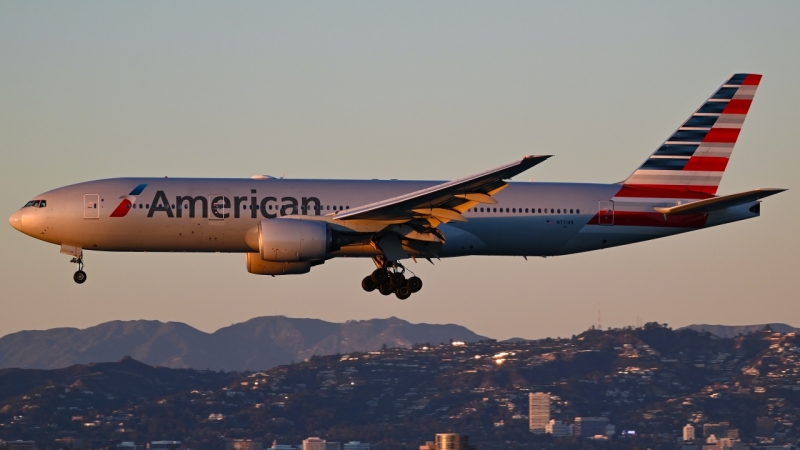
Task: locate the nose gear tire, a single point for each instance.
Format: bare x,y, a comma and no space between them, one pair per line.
79,277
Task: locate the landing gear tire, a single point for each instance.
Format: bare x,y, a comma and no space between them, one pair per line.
397,280
386,288
403,292
414,284
368,285
380,276
79,277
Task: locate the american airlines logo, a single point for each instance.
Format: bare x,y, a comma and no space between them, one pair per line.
221,206
127,200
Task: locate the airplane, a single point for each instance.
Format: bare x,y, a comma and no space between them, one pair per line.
287,226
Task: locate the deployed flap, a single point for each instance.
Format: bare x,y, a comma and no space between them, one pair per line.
391,247
717,203
446,200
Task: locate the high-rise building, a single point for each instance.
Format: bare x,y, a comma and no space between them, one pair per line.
688,432
314,443
452,441
590,426
355,445
539,411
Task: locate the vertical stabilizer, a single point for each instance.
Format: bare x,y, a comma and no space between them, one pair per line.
695,156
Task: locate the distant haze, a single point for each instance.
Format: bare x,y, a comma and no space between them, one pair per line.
258,344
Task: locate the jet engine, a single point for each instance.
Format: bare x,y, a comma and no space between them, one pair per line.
258,266
295,240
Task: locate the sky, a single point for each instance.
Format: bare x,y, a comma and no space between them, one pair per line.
408,90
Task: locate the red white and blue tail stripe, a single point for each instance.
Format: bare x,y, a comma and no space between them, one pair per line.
694,158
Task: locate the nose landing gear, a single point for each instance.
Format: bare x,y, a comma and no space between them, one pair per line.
79,276
394,281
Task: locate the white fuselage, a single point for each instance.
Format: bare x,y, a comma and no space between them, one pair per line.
216,215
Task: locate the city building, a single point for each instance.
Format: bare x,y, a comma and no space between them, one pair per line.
717,429
244,444
314,443
333,446
539,411
688,432
276,446
559,429
164,445
765,427
355,445
590,426
452,441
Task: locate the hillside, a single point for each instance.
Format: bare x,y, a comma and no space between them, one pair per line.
257,344
729,331
652,381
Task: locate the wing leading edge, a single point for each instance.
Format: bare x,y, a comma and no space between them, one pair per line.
444,202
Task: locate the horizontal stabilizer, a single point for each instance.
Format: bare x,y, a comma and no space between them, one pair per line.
717,203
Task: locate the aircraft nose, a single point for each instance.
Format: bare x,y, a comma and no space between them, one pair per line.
16,220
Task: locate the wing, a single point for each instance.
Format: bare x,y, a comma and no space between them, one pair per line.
444,202
717,203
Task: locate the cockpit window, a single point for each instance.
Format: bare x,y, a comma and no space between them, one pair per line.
30,203
43,203
35,203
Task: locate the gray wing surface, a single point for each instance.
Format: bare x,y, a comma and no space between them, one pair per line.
444,202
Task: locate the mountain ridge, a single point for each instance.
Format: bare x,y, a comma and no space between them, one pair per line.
256,344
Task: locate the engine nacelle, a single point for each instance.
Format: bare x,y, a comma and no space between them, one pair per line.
294,240
258,266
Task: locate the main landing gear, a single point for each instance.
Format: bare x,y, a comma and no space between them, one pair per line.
80,275
388,281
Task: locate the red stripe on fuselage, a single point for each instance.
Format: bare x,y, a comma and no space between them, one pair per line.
706,163
122,209
665,191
